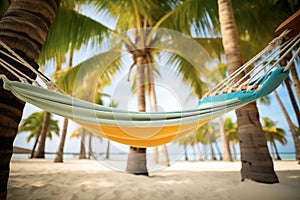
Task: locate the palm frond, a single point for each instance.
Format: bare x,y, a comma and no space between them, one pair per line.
97,71
4,4
265,14
214,47
70,30
33,124
190,74
202,15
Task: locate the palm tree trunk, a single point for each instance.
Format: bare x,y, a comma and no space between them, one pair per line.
107,149
256,161
224,142
291,125
234,151
276,151
295,81
40,153
293,99
194,152
212,153
219,152
60,151
14,25
90,146
257,164
199,151
156,155
82,145
272,150
185,152
35,144
137,162
167,160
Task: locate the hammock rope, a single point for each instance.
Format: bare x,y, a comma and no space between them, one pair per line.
286,47
145,129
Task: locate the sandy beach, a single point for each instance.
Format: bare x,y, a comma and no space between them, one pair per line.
89,179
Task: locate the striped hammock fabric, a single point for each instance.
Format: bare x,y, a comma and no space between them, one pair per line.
143,129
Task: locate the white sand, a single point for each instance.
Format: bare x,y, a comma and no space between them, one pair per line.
88,179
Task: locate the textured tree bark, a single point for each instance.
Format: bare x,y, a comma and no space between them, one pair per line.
256,161
257,164
24,28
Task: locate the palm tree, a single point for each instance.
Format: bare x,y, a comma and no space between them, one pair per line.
291,125
286,9
185,141
293,100
60,151
40,153
210,139
82,132
140,15
296,81
273,133
29,47
206,134
34,123
231,132
257,164
221,70
201,137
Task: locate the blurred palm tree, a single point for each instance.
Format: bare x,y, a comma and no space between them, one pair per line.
34,123
80,133
273,134
291,126
231,131
207,136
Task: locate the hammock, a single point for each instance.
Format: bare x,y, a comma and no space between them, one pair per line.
147,129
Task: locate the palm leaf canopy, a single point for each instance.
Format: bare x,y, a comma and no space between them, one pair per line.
172,14
70,30
33,124
89,75
273,133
